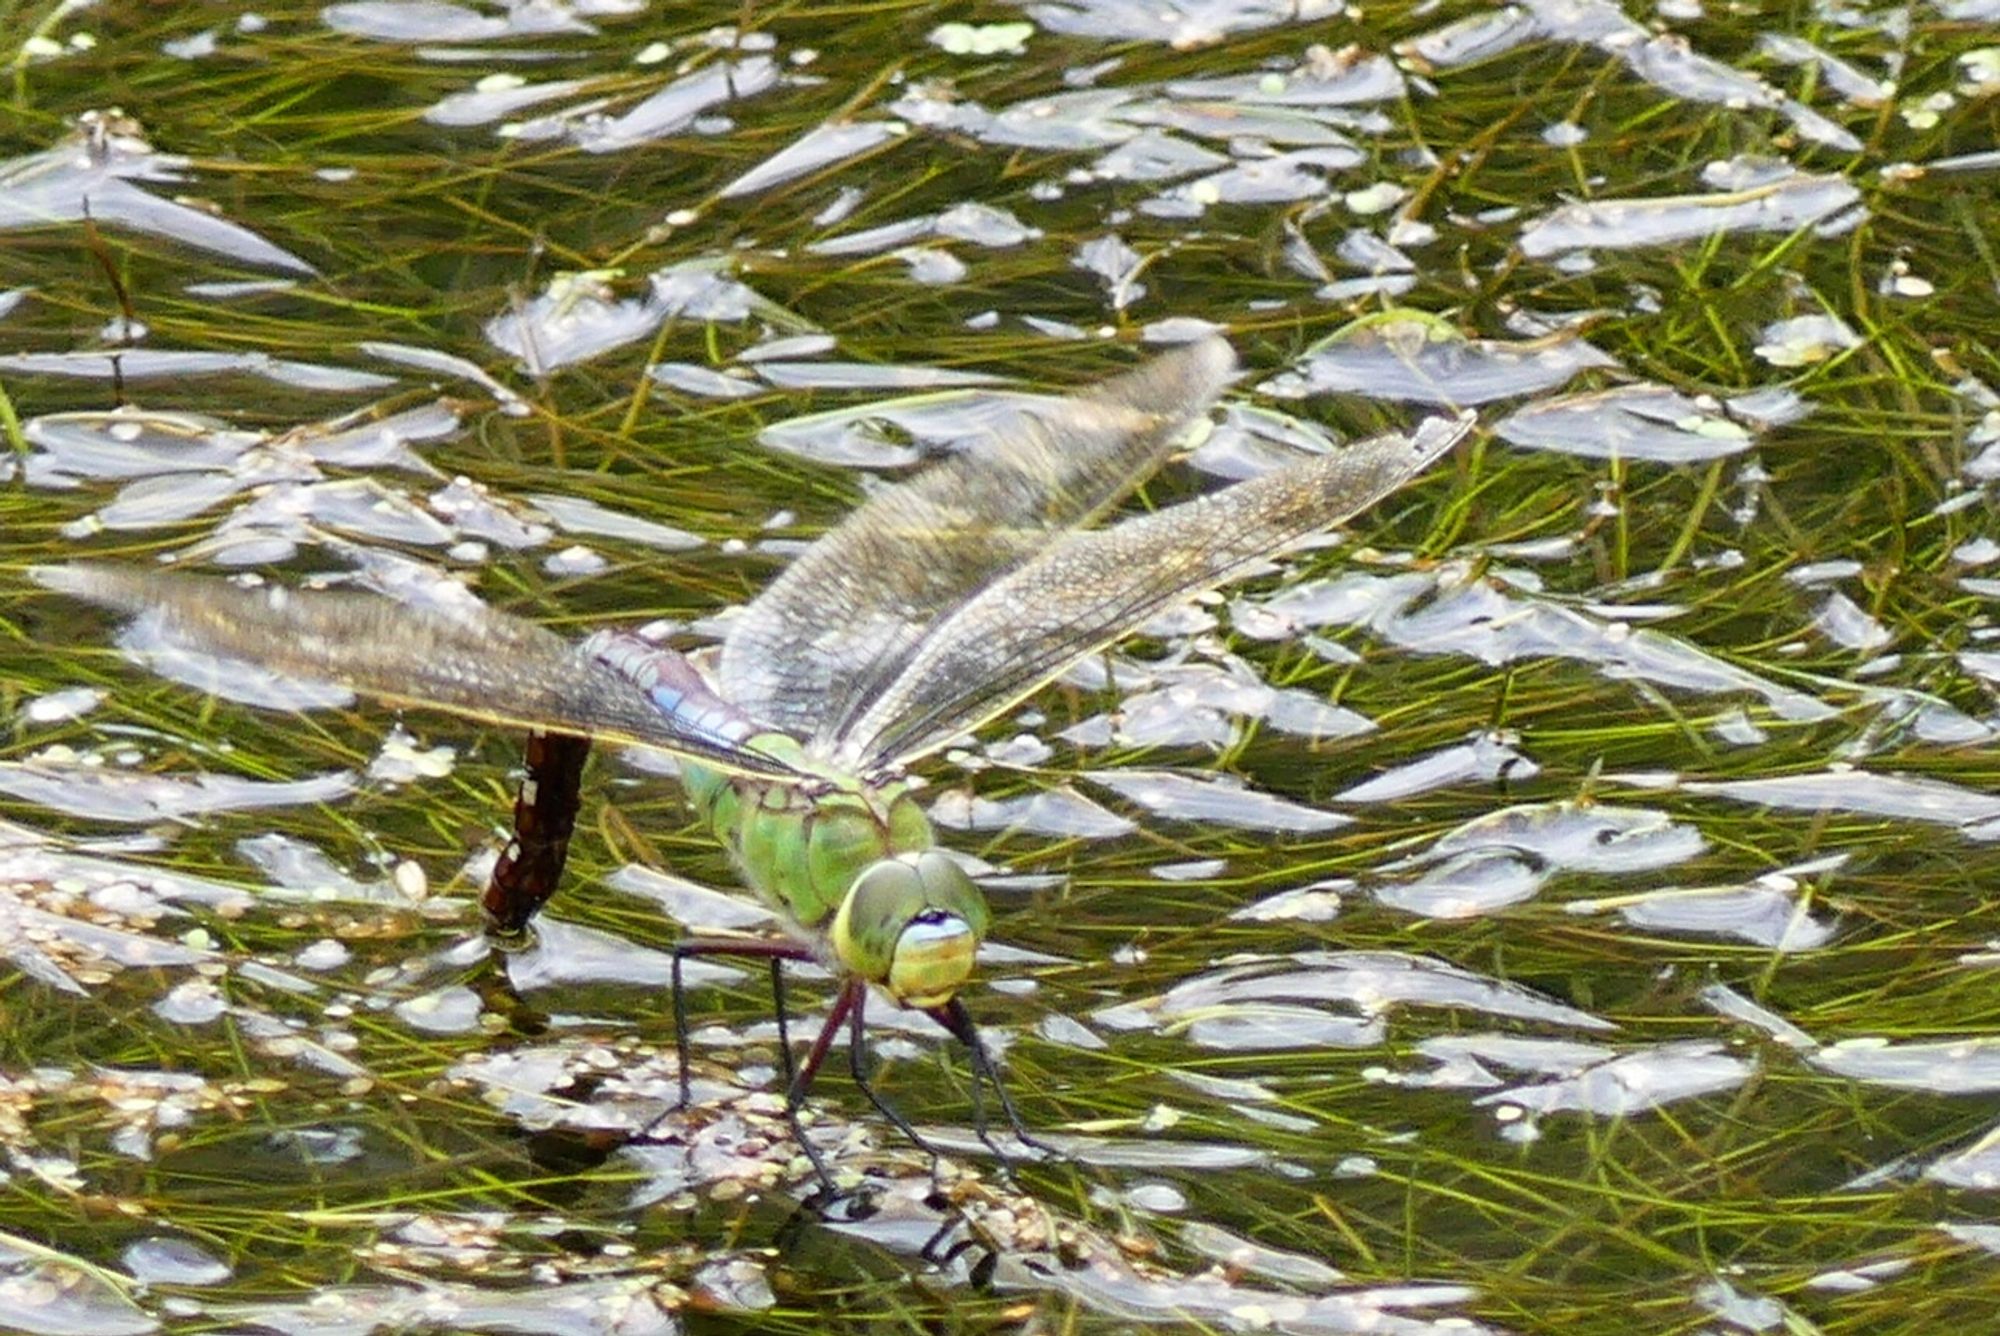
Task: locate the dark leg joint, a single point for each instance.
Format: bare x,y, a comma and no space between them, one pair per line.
955,1018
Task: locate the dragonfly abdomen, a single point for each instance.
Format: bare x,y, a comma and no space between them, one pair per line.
672,683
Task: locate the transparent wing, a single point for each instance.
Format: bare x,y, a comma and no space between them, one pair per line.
1091,588
815,651
478,663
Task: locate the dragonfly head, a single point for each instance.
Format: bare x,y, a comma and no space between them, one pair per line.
911,925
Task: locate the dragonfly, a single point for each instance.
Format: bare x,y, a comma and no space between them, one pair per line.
933,608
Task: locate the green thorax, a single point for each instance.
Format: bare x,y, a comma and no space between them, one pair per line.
801,845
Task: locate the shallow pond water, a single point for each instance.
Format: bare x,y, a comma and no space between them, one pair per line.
1561,906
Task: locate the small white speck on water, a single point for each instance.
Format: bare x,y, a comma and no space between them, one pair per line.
410,879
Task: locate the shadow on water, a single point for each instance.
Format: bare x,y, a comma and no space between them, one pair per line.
1560,907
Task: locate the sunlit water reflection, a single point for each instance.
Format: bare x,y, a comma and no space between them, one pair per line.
1561,911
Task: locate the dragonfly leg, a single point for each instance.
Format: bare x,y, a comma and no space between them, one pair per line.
784,1025
795,1094
544,817
857,1055
980,1066
955,1018
775,952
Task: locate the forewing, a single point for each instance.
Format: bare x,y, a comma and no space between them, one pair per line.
1092,588
474,662
814,652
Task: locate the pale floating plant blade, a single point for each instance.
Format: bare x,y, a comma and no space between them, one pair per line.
1091,588
477,663
817,649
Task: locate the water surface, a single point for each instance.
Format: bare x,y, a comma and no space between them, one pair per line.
1561,907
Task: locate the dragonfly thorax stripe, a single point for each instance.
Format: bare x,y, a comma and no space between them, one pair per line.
801,846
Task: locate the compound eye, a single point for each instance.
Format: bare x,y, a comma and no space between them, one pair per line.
911,925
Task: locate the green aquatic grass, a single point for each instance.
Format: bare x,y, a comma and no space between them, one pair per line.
1602,1225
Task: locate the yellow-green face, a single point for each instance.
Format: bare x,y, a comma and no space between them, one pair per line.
911,925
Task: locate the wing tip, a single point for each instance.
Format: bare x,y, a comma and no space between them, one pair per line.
93,582
1180,383
1435,435
1212,356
